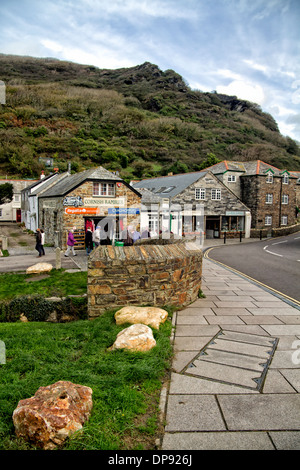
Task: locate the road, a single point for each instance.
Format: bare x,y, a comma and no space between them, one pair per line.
274,262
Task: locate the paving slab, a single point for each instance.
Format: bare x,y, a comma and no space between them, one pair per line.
261,412
194,413
247,338
233,359
293,376
224,373
203,330
190,343
286,440
282,330
223,441
191,320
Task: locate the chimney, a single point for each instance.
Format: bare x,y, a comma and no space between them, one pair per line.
42,175
56,170
69,168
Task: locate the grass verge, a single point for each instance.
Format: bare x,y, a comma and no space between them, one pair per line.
126,386
57,283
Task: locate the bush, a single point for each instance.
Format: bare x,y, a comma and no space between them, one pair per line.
37,308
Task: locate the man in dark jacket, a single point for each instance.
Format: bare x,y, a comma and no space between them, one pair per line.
38,239
89,241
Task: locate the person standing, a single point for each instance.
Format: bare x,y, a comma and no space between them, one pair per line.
89,241
42,242
38,245
70,243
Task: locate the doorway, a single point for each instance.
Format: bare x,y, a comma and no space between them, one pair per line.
212,227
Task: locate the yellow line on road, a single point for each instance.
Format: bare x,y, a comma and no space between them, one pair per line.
249,277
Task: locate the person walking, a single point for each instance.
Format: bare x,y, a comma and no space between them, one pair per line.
70,243
38,245
42,242
89,241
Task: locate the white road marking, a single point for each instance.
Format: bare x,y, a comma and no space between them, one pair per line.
278,243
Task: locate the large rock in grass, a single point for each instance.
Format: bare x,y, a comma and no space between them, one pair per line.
135,338
39,268
53,414
151,316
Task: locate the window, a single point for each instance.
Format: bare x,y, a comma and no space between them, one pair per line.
231,178
285,199
268,220
0,213
103,189
153,223
284,220
200,194
285,179
216,194
269,177
269,198
168,190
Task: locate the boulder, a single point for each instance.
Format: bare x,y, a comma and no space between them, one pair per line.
39,268
135,338
53,414
151,316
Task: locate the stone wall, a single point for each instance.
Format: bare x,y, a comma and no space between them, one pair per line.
157,275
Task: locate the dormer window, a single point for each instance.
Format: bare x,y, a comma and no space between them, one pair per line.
269,178
285,179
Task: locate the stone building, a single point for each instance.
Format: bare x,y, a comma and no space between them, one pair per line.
193,203
30,198
86,199
11,211
270,193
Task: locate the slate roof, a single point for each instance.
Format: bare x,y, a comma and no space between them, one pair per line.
169,186
256,167
70,182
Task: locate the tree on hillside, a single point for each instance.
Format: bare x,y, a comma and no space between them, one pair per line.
6,193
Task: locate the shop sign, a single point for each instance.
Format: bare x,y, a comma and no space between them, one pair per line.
75,201
123,211
82,210
104,201
241,213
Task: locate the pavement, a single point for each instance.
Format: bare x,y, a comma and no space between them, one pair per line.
235,378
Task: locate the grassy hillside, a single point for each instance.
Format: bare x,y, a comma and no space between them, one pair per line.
139,121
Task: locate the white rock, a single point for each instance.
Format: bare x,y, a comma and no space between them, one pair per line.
39,268
136,337
151,316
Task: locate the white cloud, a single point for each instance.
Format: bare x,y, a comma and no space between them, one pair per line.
243,90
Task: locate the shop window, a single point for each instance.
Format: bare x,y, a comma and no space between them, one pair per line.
200,194
103,189
216,194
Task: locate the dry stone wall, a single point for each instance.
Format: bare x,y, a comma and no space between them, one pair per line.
157,275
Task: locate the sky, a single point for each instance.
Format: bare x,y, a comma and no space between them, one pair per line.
246,48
